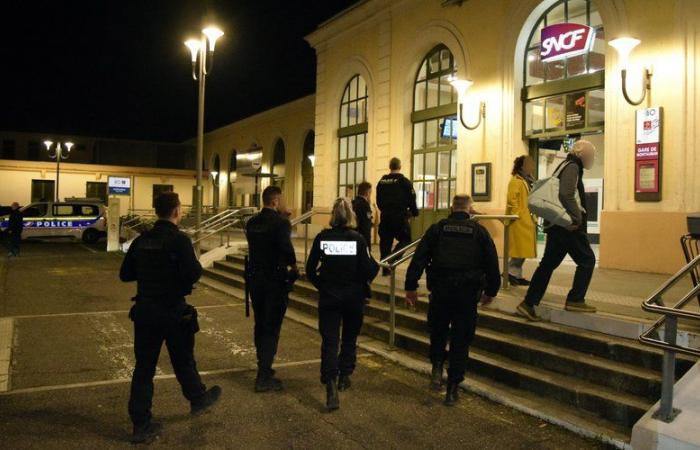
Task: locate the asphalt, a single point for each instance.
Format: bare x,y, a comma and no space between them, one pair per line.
72,359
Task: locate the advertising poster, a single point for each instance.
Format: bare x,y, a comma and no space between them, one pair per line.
647,155
575,110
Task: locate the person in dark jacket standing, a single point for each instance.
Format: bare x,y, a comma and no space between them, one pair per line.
164,266
346,269
396,200
14,230
363,211
271,270
572,240
462,269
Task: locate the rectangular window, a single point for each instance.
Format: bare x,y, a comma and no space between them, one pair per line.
8,149
94,189
63,210
88,210
33,151
42,190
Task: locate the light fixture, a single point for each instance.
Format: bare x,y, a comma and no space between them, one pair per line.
48,144
461,86
312,158
624,47
194,45
68,146
213,34
214,173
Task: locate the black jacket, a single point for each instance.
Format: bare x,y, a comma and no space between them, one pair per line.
395,195
346,264
16,222
162,262
270,248
363,211
426,249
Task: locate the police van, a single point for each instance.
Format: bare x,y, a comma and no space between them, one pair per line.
77,219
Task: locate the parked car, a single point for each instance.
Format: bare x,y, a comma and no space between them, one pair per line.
77,219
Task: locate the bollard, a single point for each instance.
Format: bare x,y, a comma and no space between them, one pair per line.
666,412
392,307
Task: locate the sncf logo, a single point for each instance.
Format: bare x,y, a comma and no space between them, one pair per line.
564,40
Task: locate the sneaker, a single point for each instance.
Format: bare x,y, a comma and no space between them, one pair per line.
268,384
344,383
580,307
513,280
207,401
145,434
528,312
523,282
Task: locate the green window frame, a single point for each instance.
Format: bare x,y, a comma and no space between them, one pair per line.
434,128
352,136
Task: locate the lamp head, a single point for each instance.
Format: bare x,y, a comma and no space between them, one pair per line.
214,173
194,45
48,144
212,33
312,158
624,47
68,146
460,86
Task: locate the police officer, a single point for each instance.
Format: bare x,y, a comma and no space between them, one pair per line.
363,211
461,262
346,269
14,230
271,272
164,266
396,200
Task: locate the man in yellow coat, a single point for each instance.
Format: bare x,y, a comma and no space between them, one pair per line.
522,233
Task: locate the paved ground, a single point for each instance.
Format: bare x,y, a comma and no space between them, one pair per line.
72,357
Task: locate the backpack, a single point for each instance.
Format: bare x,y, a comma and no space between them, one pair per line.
544,202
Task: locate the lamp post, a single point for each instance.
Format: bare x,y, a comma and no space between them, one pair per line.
58,154
202,51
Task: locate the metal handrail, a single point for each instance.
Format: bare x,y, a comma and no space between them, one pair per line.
387,260
224,227
669,321
305,219
221,218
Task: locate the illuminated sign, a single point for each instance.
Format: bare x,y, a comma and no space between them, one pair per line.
119,185
564,40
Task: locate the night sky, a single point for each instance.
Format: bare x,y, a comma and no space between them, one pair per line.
112,68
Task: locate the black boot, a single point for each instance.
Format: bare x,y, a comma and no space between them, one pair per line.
208,399
436,377
452,394
145,434
344,383
332,400
266,381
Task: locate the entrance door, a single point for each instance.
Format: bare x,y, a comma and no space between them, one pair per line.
549,153
43,190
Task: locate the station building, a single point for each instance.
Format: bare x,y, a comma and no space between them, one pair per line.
383,90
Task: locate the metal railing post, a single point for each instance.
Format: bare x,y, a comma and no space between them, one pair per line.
666,412
506,256
306,241
392,307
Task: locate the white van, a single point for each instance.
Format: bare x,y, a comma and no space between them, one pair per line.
77,219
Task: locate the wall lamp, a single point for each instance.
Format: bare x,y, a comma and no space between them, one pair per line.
461,87
312,158
624,47
214,177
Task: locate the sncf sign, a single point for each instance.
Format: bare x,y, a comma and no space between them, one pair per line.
564,40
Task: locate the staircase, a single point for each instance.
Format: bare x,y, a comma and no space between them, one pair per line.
600,383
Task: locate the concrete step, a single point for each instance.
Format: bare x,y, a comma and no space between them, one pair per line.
538,335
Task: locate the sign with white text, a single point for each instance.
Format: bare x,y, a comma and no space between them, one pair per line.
647,155
119,185
564,40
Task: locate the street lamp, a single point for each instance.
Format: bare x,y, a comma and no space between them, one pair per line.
202,52
58,154
461,87
624,47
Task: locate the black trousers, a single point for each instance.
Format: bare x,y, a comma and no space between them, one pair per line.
154,324
452,316
269,300
561,242
393,226
12,242
332,313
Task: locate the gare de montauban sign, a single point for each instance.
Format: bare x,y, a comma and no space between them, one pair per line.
564,40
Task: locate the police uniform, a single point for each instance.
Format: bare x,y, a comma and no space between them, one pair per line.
163,263
363,212
396,199
346,268
270,252
461,260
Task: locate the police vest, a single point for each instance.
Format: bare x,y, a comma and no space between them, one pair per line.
156,265
392,194
457,249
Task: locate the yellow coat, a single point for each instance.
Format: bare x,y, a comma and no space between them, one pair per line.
522,233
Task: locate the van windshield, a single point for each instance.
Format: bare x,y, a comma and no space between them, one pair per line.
35,210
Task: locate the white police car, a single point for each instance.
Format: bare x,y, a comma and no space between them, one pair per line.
77,219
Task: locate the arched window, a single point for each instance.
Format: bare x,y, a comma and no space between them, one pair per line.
278,160
434,149
352,136
564,94
307,173
215,173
